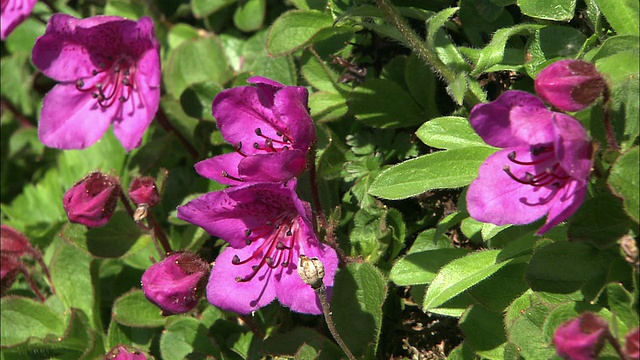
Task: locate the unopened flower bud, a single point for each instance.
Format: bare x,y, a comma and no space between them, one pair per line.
13,245
631,346
570,85
121,352
92,200
143,190
176,283
581,338
311,271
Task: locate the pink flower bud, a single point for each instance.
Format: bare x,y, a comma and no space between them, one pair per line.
13,245
144,191
581,338
120,352
570,85
631,347
92,200
176,283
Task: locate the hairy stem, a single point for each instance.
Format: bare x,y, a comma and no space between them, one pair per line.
418,46
327,316
608,127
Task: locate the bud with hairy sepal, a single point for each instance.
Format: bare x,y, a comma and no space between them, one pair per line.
570,85
176,283
92,200
121,352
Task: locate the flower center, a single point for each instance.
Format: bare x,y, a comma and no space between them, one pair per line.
542,158
266,143
111,84
279,237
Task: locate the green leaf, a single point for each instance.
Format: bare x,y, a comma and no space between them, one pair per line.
612,46
621,14
289,343
71,275
458,87
601,219
550,43
440,170
624,181
524,322
297,28
204,8
498,291
258,61
327,106
558,10
563,267
110,241
24,318
133,309
186,336
493,53
421,82
449,132
194,62
23,37
621,303
459,275
483,331
196,99
359,291
180,33
422,267
384,104
249,15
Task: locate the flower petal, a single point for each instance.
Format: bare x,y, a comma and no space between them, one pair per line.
134,115
72,48
291,106
267,89
226,293
272,167
292,292
212,168
514,118
572,146
565,205
239,112
71,119
14,12
496,198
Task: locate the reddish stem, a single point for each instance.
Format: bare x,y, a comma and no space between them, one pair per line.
164,122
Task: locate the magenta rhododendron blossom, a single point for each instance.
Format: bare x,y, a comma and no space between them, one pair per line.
581,338
267,227
271,129
109,73
14,12
542,168
570,85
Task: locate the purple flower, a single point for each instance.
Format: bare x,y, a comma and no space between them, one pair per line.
175,283
581,338
121,352
570,85
269,126
109,73
14,12
267,227
542,168
92,200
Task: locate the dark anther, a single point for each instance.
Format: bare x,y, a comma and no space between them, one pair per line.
226,174
79,84
289,233
247,241
247,232
238,146
258,132
268,260
280,245
278,133
238,279
512,155
94,72
235,260
254,267
285,264
268,223
256,145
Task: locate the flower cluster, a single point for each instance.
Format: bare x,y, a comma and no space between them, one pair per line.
267,226
544,163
